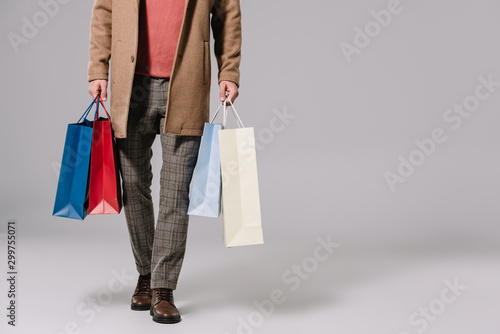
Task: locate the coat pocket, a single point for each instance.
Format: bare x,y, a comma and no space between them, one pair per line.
206,62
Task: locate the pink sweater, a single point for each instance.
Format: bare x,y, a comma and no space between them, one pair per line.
159,27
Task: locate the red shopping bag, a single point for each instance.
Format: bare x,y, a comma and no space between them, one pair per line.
104,181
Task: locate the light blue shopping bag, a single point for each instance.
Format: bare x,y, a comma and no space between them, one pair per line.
205,196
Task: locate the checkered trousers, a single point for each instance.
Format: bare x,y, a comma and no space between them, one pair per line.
157,250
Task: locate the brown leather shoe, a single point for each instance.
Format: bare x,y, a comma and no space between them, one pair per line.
141,299
163,309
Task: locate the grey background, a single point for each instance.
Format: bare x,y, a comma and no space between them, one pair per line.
323,174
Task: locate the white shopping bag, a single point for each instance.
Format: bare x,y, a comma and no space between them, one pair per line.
241,217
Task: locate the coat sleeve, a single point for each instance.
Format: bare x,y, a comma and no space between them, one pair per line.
100,41
226,27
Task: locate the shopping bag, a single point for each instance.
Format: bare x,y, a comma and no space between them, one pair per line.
72,191
104,183
204,199
241,216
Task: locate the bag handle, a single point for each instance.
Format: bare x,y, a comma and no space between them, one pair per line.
224,117
216,112
87,111
238,119
96,116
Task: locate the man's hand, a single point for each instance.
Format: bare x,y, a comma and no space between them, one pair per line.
231,88
99,87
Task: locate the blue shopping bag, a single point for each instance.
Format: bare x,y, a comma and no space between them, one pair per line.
205,196
72,190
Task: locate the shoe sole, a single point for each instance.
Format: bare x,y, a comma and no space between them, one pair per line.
163,320
140,307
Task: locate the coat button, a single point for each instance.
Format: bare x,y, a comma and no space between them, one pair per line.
132,59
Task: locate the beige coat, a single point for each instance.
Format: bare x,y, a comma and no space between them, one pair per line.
114,32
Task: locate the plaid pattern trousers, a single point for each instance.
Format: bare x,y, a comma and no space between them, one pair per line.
157,250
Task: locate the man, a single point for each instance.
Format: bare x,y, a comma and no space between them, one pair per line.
160,84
